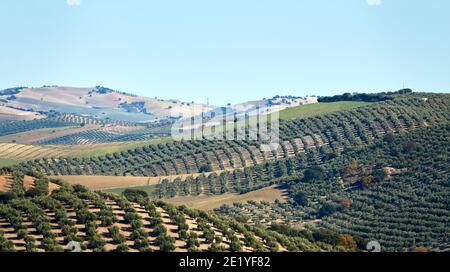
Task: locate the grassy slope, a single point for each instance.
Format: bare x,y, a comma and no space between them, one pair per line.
319,108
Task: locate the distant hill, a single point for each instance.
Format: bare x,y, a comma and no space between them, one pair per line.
23,103
98,102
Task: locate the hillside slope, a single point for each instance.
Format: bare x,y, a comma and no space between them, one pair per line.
107,222
395,191
313,140
377,172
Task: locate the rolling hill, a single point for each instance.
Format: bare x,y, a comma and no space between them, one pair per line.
98,102
348,170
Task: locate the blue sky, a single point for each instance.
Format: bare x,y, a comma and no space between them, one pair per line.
227,50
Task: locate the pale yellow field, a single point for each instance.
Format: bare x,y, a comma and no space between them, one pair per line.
107,182
114,182
7,113
269,194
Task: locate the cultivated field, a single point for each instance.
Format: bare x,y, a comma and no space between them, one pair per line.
20,152
29,137
14,153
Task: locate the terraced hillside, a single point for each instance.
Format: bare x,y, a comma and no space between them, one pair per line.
36,221
395,191
315,139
